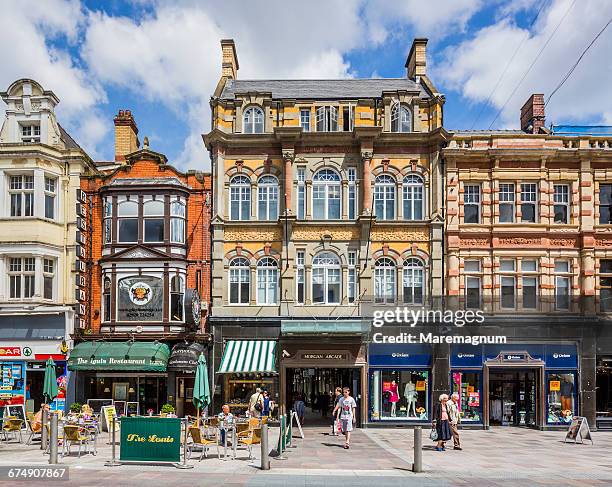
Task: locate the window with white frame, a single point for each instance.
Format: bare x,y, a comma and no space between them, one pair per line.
400,118
240,198
48,278
326,195
384,197
413,285
471,203
384,280
605,204
506,203
305,119
106,297
529,199
108,219
507,269
177,298
562,284
413,197
253,121
267,281
352,277
352,192
301,193
153,212
267,197
50,192
177,220
326,279
561,201
22,277
127,220
21,190
299,277
529,281
30,133
327,119
472,283
239,281
348,118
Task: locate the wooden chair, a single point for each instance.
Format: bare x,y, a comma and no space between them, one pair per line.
197,440
253,439
13,426
72,435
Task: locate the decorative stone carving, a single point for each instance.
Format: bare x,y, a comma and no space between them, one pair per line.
563,242
467,243
366,155
288,155
318,233
139,254
519,241
393,234
603,242
252,234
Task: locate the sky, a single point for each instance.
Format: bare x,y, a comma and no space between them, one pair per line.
162,58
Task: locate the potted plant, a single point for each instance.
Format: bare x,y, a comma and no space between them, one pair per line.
75,407
167,410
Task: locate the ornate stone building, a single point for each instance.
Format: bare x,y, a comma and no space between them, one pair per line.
327,201
528,241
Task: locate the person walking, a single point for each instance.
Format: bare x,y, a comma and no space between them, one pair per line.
455,418
441,422
268,404
299,407
256,403
337,396
346,408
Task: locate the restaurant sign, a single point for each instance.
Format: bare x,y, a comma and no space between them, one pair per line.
145,439
140,299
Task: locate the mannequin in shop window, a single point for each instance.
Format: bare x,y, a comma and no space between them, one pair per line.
410,394
393,397
567,391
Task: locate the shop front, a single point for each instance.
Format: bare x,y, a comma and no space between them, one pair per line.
399,383
131,375
181,375
529,385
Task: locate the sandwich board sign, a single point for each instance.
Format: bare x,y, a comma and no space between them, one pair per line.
579,428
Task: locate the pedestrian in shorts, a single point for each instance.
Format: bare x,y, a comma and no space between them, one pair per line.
346,409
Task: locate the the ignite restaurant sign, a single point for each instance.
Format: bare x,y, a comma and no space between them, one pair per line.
145,439
140,299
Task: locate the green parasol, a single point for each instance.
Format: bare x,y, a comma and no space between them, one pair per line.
50,384
201,390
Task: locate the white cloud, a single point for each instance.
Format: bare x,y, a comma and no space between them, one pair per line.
474,66
27,31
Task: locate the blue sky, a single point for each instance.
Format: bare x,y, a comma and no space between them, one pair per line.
161,58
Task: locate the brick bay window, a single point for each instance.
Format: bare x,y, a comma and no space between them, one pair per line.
177,220
153,213
21,191
127,220
177,298
108,220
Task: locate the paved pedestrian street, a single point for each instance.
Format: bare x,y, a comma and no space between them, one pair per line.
381,457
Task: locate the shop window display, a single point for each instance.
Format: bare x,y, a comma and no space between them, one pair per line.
399,395
561,397
467,385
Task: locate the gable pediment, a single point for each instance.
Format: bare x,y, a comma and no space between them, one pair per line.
138,252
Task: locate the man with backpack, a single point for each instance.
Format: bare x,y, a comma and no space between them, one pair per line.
256,403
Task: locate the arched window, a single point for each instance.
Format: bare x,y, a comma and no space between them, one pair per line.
240,198
413,281
326,279
384,280
326,195
267,197
239,281
153,211
400,118
106,295
253,121
267,281
413,197
127,223
177,220
384,197
177,295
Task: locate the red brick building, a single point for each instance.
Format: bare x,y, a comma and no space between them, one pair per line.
145,286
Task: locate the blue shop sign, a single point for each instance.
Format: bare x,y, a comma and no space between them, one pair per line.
561,357
555,356
466,356
399,355
511,352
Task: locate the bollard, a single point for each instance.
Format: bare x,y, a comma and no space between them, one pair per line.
290,431
284,432
43,432
281,440
417,464
113,462
265,451
184,464
53,439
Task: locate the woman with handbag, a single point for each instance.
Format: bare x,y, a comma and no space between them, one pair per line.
440,423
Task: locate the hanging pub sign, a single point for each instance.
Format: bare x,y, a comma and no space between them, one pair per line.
184,356
193,307
141,298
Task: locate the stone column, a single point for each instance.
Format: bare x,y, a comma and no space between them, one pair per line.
288,157
367,183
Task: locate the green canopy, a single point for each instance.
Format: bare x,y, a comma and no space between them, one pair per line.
50,383
201,390
133,356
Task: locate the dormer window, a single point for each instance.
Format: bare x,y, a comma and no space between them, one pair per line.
30,133
327,119
253,121
400,118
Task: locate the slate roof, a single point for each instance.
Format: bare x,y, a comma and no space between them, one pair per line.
69,142
320,89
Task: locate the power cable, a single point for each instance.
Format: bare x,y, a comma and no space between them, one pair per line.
569,73
532,64
501,77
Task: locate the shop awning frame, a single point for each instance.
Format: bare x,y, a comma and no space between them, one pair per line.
117,356
249,356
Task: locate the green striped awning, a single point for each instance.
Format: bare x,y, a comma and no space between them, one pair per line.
248,356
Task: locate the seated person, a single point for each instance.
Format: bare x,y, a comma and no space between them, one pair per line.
37,420
224,417
86,411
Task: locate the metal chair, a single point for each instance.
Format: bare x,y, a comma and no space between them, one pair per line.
72,435
31,431
253,439
13,426
197,440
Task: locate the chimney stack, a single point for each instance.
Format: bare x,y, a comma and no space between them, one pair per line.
532,114
126,135
416,63
229,66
